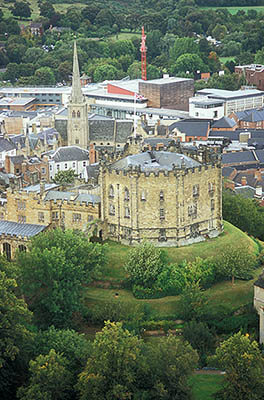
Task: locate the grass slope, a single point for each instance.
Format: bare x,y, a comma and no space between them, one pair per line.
221,293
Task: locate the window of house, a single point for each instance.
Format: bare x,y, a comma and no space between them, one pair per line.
76,217
195,190
73,165
215,114
43,170
41,216
143,196
111,209
162,213
126,194
7,250
65,166
161,196
50,167
58,167
55,216
84,163
21,247
111,192
127,212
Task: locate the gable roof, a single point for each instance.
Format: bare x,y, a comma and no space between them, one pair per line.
193,128
224,122
252,115
23,230
6,145
70,153
238,157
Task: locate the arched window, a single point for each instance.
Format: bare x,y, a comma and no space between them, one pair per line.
7,250
111,209
126,194
73,114
161,195
21,247
127,212
111,192
78,114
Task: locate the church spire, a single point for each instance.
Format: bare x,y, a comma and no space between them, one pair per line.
76,95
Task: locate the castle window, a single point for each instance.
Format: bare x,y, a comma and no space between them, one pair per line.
143,196
22,219
126,194
90,218
195,190
2,216
77,141
127,212
55,216
111,209
210,187
162,213
112,228
7,250
192,211
78,114
73,114
41,216
161,196
212,205
21,247
162,235
21,205
111,192
76,217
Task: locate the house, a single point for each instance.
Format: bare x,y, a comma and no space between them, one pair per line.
30,170
36,28
254,74
69,157
249,119
190,130
224,124
204,107
7,148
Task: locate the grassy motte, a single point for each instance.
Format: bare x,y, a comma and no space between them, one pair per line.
205,386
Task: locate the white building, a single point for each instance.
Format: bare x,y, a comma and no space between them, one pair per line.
68,157
204,107
7,148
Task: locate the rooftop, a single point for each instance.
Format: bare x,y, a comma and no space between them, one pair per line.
23,230
165,81
230,94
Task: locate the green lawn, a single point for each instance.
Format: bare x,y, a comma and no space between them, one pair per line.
118,253
204,386
234,10
124,36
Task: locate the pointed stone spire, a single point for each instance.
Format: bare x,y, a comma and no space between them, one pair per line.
76,95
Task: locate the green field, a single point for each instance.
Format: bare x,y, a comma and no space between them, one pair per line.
225,59
204,386
124,36
234,10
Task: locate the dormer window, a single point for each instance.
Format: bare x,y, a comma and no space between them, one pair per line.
126,194
111,192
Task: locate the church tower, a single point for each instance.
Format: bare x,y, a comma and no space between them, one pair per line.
77,109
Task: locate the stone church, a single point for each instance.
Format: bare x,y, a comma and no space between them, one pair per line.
84,128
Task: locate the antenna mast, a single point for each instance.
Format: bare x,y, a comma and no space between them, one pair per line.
143,50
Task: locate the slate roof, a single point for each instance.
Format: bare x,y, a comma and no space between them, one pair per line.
245,191
70,153
17,159
101,130
155,161
251,180
93,171
238,157
253,115
36,188
224,122
154,141
123,130
6,145
193,128
76,197
227,171
16,229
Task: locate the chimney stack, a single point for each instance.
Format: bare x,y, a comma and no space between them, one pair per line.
243,181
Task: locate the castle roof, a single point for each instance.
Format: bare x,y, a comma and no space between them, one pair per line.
155,160
16,229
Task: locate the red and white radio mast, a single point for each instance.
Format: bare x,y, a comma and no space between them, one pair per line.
143,50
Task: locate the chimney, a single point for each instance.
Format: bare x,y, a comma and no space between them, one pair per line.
258,192
243,181
7,164
92,154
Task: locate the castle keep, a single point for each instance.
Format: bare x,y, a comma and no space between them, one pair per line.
160,196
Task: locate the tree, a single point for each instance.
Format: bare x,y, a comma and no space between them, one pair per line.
134,70
235,261
33,54
188,62
169,363
64,177
21,9
46,9
244,365
199,337
145,263
105,72
49,379
219,31
259,57
110,372
54,271
193,302
44,76
183,45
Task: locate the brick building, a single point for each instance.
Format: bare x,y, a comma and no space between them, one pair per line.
254,74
